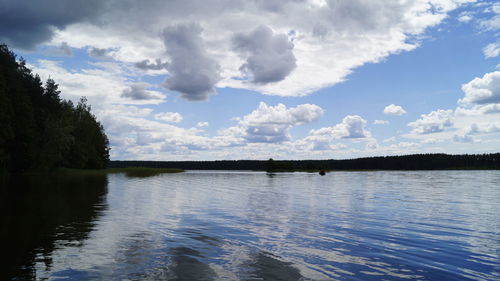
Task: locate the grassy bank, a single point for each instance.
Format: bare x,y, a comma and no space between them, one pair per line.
129,171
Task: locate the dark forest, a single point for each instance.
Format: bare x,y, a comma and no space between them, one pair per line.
41,131
406,162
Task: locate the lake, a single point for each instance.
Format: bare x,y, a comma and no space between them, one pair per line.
233,225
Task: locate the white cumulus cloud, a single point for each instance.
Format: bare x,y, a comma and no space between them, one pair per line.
393,109
272,124
352,127
484,90
434,122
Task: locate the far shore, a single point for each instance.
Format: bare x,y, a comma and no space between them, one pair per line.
380,170
129,171
412,162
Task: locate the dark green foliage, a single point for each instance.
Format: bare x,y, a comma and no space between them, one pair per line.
39,131
90,148
405,162
270,166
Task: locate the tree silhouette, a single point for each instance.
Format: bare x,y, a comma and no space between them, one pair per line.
41,131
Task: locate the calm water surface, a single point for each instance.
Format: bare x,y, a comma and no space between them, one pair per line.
424,225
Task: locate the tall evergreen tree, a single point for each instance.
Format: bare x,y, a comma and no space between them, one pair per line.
41,131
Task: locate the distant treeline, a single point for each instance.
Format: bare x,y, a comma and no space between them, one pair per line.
406,162
40,131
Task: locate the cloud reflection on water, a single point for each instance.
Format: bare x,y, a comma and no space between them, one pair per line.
292,226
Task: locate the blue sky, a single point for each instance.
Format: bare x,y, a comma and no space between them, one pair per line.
314,79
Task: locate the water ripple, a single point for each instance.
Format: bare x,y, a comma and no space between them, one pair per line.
216,225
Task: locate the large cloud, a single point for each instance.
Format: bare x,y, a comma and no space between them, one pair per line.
24,24
434,122
330,39
134,137
485,90
193,73
272,124
352,127
269,56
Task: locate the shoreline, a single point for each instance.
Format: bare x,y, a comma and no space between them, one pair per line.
129,171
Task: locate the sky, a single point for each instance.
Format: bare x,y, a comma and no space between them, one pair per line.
259,79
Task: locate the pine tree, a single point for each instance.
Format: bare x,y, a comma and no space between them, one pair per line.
40,130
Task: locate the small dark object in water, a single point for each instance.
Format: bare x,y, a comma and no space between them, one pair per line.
322,172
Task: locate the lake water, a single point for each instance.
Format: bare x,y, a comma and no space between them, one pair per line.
225,225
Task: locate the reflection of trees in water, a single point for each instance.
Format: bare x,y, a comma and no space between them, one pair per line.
41,212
